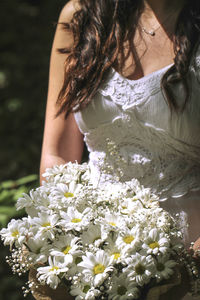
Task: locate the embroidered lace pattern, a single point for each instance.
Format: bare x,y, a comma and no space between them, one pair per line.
166,170
123,91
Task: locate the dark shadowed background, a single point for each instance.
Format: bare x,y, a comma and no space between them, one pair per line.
27,30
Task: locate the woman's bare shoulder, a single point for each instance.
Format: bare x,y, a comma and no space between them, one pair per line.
68,10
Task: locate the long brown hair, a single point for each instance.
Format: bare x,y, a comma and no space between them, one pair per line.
99,29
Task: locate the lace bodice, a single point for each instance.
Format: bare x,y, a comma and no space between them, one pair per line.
159,149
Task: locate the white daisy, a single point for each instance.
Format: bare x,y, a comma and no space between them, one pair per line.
65,192
144,194
114,221
140,268
15,232
45,225
129,239
130,206
97,266
66,246
74,268
50,274
113,250
93,235
55,170
34,202
122,288
67,172
164,268
73,219
35,254
155,242
84,291
27,201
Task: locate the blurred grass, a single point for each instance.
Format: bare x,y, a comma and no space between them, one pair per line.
27,30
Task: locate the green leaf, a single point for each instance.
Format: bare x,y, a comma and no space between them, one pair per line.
27,179
9,184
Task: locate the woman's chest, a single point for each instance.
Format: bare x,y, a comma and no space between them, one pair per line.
144,56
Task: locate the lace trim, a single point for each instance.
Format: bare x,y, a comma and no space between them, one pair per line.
127,92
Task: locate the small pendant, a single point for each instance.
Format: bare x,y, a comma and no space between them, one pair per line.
151,32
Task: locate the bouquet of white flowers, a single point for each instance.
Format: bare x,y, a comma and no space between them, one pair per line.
111,241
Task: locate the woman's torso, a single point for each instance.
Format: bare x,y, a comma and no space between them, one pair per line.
159,149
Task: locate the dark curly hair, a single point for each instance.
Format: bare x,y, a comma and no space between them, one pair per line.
100,29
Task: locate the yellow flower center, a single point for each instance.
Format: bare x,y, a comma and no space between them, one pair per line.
15,233
154,245
134,199
128,239
66,249
116,255
54,268
112,223
98,269
76,220
124,207
68,195
46,224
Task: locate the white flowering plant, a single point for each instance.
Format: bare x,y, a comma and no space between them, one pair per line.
109,241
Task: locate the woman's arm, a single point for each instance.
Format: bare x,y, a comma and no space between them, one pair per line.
62,140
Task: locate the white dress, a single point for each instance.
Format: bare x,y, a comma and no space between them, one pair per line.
159,149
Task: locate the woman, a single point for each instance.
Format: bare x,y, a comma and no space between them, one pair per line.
130,74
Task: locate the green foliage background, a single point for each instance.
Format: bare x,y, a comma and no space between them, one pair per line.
27,30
